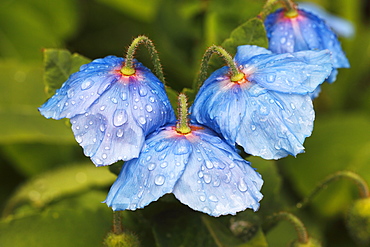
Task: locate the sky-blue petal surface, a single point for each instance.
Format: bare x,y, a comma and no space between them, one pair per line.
155,173
201,170
305,32
216,180
110,113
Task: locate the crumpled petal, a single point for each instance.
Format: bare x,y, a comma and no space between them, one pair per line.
304,32
216,180
298,72
153,174
339,25
201,170
110,113
268,119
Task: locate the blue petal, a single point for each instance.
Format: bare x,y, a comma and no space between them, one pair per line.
305,32
299,72
217,181
82,89
111,127
153,174
341,26
246,52
265,123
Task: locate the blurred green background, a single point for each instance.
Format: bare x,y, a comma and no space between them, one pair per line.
51,194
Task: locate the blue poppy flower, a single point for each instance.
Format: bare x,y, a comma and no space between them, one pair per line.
110,112
339,25
304,31
269,112
199,168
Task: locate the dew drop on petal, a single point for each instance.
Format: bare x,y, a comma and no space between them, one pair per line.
86,84
253,127
182,149
151,166
143,91
148,108
206,210
151,99
209,164
283,40
213,198
79,139
292,106
202,198
114,100
119,133
207,178
142,120
242,186
164,164
124,96
70,93
102,127
119,117
159,180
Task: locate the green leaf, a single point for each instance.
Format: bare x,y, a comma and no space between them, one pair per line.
59,183
59,64
76,221
339,142
251,32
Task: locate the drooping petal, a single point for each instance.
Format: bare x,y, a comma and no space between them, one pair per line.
201,170
216,180
153,174
339,25
298,72
111,113
303,32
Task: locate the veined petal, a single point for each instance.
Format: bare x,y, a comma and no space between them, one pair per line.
216,180
153,174
303,32
298,72
111,113
264,122
246,52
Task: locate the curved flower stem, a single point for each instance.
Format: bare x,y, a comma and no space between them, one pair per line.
354,177
128,69
266,9
235,74
297,223
290,7
117,223
182,125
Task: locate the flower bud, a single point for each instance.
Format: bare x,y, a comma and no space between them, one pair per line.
125,239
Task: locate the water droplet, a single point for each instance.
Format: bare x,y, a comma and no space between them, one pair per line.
242,186
292,106
151,166
149,157
253,127
283,40
151,99
182,148
164,164
143,91
148,108
200,174
162,146
206,210
159,180
162,156
86,84
102,127
136,100
124,96
142,120
213,198
202,198
104,156
79,139
207,178
209,164
271,78
119,117
119,133
102,108
114,100
70,93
